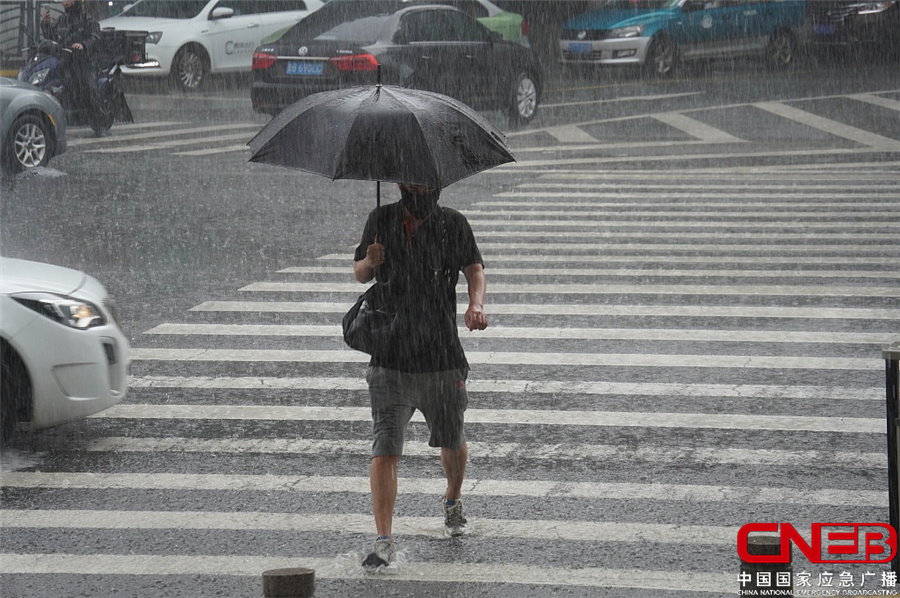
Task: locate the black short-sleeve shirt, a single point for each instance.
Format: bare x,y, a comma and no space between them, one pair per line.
423,268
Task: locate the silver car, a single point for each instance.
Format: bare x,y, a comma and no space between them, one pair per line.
32,126
62,353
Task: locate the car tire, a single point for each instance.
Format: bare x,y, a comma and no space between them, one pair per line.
524,101
662,57
782,49
190,68
15,392
28,144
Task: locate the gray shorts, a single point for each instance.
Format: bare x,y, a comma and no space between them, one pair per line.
395,396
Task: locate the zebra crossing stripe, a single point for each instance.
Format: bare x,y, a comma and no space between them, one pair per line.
580,418
351,523
607,289
496,450
636,272
507,246
784,362
651,234
435,486
759,261
526,309
666,334
690,206
253,565
524,388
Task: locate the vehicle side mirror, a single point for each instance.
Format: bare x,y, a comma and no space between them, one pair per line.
221,12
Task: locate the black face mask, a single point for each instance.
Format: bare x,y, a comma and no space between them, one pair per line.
419,205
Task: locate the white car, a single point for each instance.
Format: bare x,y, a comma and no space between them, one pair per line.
189,39
62,353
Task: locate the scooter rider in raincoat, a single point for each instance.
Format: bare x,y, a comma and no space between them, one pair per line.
77,30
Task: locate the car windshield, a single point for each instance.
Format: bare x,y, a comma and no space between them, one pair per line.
166,9
351,20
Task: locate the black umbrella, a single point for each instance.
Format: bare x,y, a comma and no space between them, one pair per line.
382,133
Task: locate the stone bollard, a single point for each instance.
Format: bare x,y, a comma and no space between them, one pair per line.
766,579
289,583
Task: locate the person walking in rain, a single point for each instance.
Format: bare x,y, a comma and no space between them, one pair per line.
419,248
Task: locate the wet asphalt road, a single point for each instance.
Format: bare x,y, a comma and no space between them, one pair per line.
690,284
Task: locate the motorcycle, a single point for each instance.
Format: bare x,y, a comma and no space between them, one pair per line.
49,65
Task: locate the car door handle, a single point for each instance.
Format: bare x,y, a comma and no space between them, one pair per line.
252,25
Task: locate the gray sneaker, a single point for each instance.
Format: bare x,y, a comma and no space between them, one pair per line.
382,555
454,517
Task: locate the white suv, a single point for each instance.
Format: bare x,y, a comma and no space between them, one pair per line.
189,39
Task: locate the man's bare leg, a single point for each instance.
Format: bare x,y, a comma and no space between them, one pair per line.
383,482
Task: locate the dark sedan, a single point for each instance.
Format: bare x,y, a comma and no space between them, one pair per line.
856,25
421,46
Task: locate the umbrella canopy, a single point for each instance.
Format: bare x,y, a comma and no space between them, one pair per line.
382,133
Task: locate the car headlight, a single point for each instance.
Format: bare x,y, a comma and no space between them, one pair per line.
75,313
868,8
154,36
623,32
39,77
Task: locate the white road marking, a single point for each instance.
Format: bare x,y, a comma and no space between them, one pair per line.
607,289
628,419
634,272
471,487
678,456
525,388
527,309
253,566
695,128
832,127
665,334
351,523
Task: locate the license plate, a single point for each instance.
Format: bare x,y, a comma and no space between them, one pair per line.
825,29
580,48
303,67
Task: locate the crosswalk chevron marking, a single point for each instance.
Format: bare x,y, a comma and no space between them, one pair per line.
557,309
832,127
695,128
471,487
606,289
524,388
578,418
469,573
504,450
666,334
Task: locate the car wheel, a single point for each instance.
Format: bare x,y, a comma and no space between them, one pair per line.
782,49
524,103
190,68
662,57
28,144
15,392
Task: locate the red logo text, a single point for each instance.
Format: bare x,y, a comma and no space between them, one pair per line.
829,542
